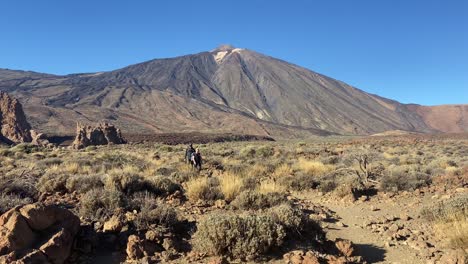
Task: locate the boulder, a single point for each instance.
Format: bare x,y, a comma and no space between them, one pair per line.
46,232
15,233
138,248
102,134
14,126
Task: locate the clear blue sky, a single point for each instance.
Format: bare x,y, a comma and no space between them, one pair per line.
411,51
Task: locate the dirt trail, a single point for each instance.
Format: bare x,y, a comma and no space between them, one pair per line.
374,247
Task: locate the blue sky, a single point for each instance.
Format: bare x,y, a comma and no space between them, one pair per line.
411,51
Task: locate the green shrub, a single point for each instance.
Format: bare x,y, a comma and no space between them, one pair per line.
265,151
404,178
25,148
252,200
238,236
290,217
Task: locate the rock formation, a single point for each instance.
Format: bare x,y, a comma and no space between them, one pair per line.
14,126
36,233
102,134
39,139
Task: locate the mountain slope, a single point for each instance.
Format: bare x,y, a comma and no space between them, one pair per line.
224,90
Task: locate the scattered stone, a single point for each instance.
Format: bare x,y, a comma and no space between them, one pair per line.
220,204
114,224
340,224
138,248
405,217
393,228
345,247
454,257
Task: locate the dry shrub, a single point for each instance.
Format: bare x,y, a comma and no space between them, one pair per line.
231,185
8,201
401,178
238,236
52,181
450,220
251,200
163,186
314,168
204,189
299,182
98,204
271,186
153,212
283,170
83,183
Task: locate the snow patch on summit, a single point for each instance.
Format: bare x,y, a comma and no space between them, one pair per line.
219,56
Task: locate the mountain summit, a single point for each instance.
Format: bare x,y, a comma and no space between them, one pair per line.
225,90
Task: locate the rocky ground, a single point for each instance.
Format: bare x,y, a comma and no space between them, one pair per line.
387,228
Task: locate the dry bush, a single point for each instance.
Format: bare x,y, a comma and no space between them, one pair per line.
290,217
313,168
204,189
83,183
299,182
163,186
98,204
401,178
8,201
265,151
238,236
450,219
231,185
53,181
251,200
271,186
283,170
153,212
25,148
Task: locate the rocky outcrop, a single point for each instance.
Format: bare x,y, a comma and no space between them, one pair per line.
14,126
102,134
36,233
39,139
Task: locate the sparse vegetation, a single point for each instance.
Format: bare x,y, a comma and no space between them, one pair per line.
247,201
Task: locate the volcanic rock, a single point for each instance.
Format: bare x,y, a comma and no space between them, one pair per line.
14,126
102,134
46,232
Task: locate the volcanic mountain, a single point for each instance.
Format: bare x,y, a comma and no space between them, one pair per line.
224,90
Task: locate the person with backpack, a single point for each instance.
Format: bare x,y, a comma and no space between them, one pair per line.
197,159
188,154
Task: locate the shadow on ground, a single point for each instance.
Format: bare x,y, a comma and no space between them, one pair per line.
370,253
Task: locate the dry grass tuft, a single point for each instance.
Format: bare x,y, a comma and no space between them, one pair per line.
314,168
231,185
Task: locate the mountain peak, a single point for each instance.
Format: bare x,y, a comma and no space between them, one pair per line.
224,47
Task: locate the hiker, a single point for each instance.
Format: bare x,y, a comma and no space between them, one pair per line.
197,159
188,154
